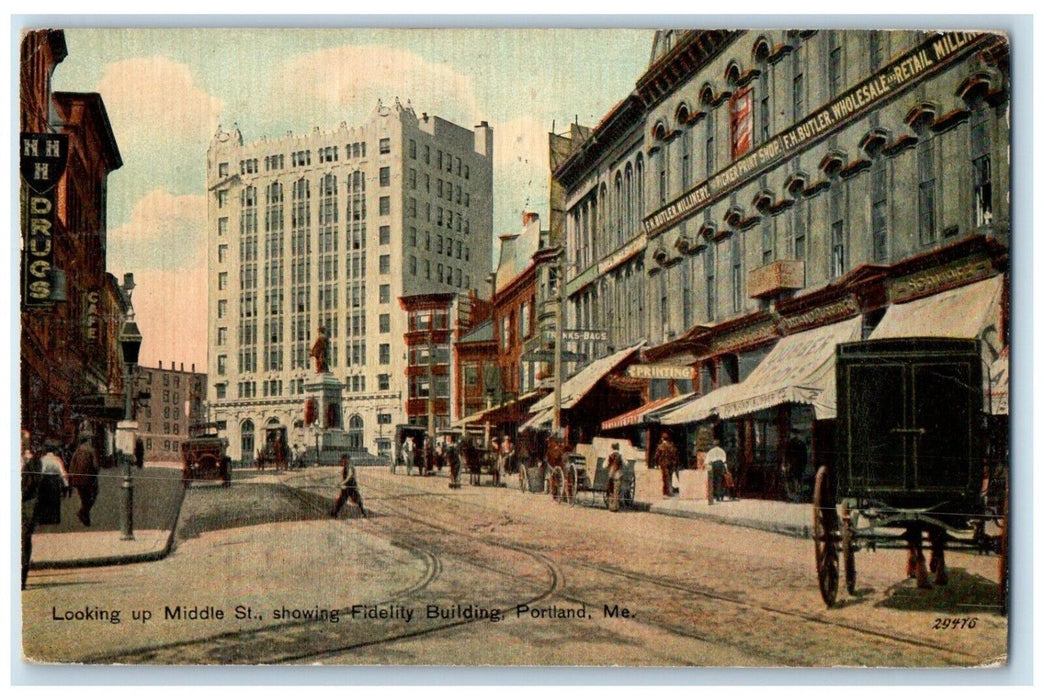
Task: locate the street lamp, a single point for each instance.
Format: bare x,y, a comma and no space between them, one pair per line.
129,338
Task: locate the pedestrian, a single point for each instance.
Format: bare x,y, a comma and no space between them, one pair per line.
666,458
32,477
83,470
349,489
408,449
613,485
510,462
452,457
139,453
795,460
718,462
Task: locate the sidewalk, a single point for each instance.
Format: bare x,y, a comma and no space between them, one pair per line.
105,547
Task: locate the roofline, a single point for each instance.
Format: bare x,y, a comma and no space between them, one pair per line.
97,107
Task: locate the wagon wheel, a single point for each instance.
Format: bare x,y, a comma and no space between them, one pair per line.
556,483
824,535
848,547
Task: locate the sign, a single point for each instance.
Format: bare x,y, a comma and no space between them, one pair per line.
775,277
42,160
660,371
934,280
584,336
884,85
91,315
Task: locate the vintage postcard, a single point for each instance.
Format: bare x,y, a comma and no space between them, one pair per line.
679,347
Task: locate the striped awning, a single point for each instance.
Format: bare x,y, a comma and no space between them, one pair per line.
644,414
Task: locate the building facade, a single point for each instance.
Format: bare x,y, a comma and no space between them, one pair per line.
784,182
175,402
331,229
71,367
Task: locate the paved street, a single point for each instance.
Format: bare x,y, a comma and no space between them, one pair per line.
261,574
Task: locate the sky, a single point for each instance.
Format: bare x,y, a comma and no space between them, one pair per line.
167,90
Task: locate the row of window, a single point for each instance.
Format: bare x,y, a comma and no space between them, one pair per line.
443,189
452,163
453,276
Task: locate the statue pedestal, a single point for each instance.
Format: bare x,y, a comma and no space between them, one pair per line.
327,435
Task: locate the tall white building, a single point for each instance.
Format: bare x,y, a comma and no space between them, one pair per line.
331,229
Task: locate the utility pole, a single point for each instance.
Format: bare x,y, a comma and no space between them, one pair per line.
431,376
559,270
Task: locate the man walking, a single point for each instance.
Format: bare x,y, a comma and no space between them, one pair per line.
666,458
83,470
349,489
613,485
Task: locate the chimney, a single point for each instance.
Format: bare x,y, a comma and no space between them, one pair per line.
182,367
193,367
161,364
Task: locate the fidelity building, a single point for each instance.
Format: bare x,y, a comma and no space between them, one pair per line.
331,229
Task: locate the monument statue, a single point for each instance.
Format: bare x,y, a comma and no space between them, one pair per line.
318,351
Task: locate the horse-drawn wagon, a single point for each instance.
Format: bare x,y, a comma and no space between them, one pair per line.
911,458
575,482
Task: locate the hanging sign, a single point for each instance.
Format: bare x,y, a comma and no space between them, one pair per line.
42,159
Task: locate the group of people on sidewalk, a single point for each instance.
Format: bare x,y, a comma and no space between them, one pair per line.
46,481
720,480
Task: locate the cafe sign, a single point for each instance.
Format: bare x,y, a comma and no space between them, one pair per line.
42,159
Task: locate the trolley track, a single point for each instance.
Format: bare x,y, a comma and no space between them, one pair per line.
881,636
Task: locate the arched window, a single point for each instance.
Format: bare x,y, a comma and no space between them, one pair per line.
629,203
604,219
355,432
639,178
618,208
246,439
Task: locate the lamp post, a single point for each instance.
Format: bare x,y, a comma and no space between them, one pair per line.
130,343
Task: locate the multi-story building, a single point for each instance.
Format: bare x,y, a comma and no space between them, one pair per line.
331,229
71,308
763,195
175,402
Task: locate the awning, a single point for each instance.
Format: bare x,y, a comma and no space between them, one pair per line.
998,400
576,387
541,420
511,411
971,311
799,369
644,414
699,408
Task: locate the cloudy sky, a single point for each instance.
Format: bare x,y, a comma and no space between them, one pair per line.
167,90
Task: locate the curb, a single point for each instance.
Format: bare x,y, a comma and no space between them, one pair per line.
797,531
117,559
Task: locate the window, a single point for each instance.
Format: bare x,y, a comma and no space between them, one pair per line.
222,196
797,94
222,308
385,176
799,227
385,145
385,206
384,264
223,253
384,321
834,76
768,239
740,119
384,353
384,233
412,265
220,390
427,269
385,293
708,147
982,174
879,210
413,149
737,275
686,161
709,265
837,230
427,156
223,226
383,384
222,364
926,190
222,169
222,336
876,50
222,280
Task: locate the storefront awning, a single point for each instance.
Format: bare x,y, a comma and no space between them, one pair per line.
799,369
650,412
998,399
505,413
699,408
539,421
577,386
971,311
